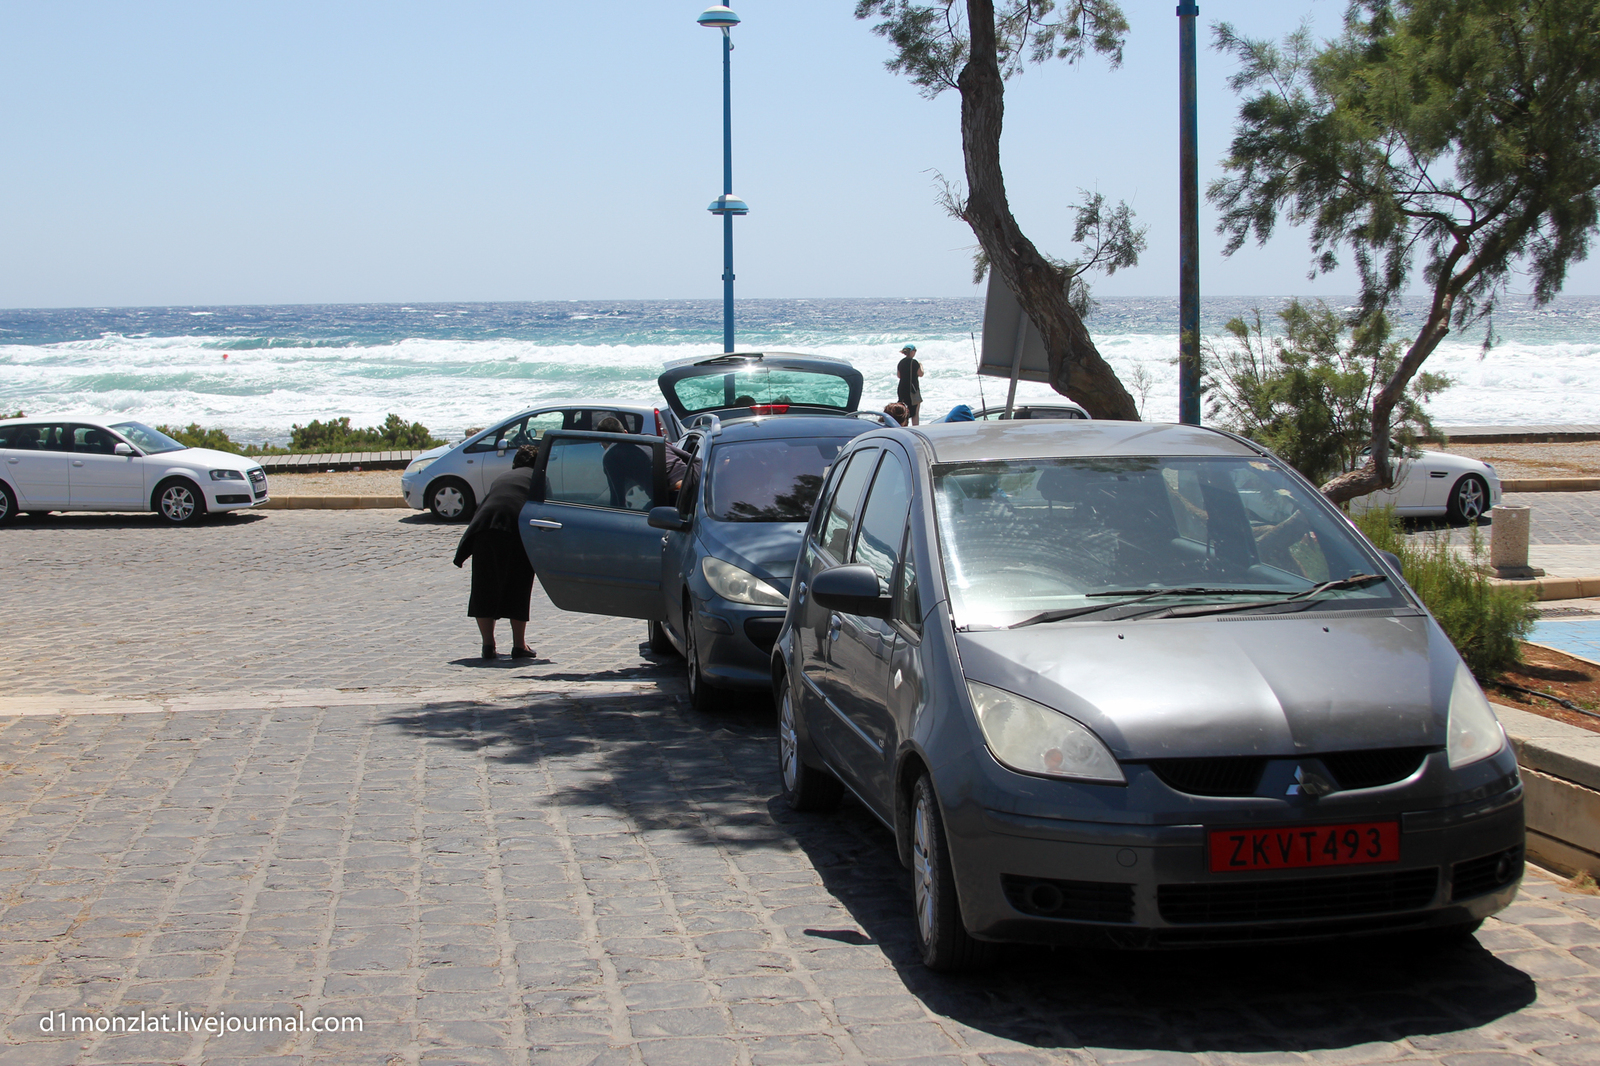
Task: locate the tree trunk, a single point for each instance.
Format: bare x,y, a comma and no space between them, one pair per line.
1076,368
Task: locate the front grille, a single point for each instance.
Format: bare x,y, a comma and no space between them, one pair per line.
258,476
1478,876
1222,776
261,494
763,632
1081,901
1321,897
1369,769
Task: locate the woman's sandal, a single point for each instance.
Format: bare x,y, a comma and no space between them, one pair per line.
523,653
488,652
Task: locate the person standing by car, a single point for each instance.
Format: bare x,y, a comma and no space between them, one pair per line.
909,372
678,462
502,577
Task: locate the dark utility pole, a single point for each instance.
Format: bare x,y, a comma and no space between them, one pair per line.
1188,225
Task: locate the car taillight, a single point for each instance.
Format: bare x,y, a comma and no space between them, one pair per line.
660,429
770,408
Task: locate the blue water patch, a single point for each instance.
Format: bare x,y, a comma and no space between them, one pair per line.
1575,636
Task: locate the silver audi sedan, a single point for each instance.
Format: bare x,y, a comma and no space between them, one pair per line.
1134,684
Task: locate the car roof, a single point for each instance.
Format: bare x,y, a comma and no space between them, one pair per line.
965,442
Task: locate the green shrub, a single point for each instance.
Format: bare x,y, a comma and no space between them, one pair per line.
337,435
193,436
1487,623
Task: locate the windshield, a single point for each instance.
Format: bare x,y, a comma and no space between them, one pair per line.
150,441
749,386
1021,538
769,480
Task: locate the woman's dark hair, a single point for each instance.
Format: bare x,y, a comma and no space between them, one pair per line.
611,424
527,455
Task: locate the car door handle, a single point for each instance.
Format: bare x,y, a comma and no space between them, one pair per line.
77,462
543,523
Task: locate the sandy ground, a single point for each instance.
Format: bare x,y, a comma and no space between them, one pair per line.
366,483
1580,459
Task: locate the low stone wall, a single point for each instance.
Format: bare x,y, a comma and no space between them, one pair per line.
1561,780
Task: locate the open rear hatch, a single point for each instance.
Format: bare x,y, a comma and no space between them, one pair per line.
746,384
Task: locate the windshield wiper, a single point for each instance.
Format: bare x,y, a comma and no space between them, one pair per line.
1139,596
1354,581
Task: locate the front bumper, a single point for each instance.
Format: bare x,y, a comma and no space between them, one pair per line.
736,641
1026,878
235,495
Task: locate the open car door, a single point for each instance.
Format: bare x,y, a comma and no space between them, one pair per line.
585,523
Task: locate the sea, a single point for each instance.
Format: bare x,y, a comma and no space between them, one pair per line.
256,371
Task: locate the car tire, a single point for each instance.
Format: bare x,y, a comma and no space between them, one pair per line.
805,788
660,643
1469,500
179,502
451,500
703,696
946,945
8,504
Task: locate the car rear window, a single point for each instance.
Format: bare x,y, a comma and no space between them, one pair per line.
769,480
750,386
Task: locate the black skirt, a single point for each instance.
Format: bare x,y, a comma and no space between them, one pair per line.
502,577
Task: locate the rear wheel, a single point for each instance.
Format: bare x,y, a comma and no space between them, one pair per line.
180,502
8,503
804,788
1469,499
946,945
451,500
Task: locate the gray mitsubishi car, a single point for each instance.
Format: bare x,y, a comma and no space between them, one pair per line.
1134,684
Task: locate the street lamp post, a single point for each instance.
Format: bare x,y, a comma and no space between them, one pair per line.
727,205
1189,376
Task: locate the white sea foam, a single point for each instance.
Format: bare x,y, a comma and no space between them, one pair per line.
259,390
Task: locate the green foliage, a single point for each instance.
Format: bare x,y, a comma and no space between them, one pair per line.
193,436
337,435
19,414
931,43
1307,393
1487,623
1466,131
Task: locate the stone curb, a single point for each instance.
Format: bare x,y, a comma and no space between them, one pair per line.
1550,484
1556,588
331,503
1560,766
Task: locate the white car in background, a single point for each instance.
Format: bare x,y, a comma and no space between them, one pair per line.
1436,484
81,464
450,480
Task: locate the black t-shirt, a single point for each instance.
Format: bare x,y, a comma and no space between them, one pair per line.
910,380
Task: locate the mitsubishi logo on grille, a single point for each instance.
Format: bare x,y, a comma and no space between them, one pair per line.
1309,783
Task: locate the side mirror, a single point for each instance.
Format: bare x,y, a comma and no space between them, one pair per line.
851,589
1391,558
122,449
667,518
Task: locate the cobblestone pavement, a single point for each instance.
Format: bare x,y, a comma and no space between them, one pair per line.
120,605
587,871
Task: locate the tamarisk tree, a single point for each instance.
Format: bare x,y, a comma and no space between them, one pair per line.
940,50
1461,136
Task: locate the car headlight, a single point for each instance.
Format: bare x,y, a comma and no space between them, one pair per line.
418,464
1033,739
1472,731
740,586
227,475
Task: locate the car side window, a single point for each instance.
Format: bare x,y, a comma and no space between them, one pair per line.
540,424
55,438
907,602
590,419
592,474
24,437
842,509
883,519
688,496
91,440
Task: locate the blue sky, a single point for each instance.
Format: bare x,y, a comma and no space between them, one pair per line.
172,152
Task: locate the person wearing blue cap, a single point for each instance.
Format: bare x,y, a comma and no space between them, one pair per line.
959,413
909,371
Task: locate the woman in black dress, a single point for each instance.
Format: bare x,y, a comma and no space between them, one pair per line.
502,577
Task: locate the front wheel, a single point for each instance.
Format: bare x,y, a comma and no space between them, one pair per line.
946,945
660,643
703,696
180,502
1469,499
451,500
804,788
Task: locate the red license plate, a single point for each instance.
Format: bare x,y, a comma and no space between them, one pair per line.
1296,847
